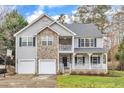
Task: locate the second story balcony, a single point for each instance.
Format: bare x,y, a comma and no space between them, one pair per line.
65,47
65,44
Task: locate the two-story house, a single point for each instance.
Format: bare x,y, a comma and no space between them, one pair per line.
48,47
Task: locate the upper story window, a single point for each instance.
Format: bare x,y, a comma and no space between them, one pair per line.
27,41
87,42
47,40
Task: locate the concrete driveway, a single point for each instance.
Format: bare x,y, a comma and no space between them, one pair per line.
28,81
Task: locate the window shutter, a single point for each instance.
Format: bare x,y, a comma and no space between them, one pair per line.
20,41
91,60
95,42
76,60
83,59
78,42
99,60
33,41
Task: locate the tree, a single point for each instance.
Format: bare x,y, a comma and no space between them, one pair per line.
13,22
120,55
95,14
3,11
80,15
117,25
61,19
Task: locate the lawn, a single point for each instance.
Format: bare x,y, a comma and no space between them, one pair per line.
114,80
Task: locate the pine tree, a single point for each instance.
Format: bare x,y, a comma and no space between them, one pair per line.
13,22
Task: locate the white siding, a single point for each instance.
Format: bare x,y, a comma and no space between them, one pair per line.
76,43
28,52
99,42
36,26
61,30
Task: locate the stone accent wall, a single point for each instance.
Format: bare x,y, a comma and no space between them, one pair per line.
51,51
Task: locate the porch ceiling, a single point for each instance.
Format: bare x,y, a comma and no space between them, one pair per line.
89,50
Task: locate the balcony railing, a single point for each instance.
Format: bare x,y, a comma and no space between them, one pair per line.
65,47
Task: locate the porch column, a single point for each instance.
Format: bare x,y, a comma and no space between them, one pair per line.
106,59
73,43
89,60
101,60
73,61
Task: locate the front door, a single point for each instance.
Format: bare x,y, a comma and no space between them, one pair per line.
65,62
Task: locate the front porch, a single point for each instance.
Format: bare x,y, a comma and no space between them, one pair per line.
82,62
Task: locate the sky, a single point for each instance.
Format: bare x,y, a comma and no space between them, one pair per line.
31,12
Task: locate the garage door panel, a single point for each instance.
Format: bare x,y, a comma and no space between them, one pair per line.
47,67
26,66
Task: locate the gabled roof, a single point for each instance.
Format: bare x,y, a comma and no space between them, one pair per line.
63,27
84,30
42,15
45,28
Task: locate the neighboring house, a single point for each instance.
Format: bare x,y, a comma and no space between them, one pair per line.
48,47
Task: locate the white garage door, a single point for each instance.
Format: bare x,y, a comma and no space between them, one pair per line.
26,66
47,66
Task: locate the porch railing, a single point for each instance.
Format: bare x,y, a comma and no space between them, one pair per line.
86,66
65,47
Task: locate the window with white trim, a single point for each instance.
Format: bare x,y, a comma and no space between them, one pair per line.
95,60
30,41
82,43
47,40
87,42
26,41
80,60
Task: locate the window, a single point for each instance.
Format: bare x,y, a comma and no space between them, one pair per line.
80,59
26,41
30,41
95,60
47,40
87,42
44,41
50,40
92,43
82,43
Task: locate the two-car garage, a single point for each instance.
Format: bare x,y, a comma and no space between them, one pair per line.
31,66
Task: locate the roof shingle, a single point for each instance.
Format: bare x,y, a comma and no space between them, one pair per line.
84,30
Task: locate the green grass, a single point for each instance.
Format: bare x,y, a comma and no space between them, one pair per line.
114,80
